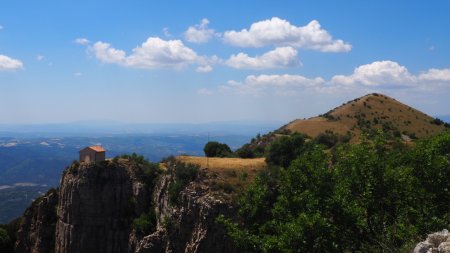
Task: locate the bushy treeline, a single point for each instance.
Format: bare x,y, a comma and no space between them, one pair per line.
261,145
376,196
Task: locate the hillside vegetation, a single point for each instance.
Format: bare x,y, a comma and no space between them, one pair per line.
368,114
372,196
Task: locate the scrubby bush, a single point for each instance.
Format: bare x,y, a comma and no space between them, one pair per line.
245,151
283,150
145,223
217,149
329,139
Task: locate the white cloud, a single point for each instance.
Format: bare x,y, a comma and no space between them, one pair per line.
77,74
155,53
105,53
378,76
8,63
283,84
199,33
435,75
204,69
1,27
205,92
280,57
280,32
378,73
40,57
82,41
390,74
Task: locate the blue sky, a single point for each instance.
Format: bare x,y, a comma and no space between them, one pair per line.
203,61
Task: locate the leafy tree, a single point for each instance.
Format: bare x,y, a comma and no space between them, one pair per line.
285,149
373,197
245,151
217,149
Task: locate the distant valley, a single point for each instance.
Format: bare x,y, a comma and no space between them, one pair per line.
31,163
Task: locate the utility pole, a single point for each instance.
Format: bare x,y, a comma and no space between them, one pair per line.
207,158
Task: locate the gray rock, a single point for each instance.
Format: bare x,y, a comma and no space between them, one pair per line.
422,247
37,230
435,243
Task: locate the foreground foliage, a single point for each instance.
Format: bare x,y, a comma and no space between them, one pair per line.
370,197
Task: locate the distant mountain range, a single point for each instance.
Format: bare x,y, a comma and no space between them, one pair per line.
102,128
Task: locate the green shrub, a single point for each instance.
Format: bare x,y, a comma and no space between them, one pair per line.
329,139
285,149
373,197
216,149
145,223
243,176
245,151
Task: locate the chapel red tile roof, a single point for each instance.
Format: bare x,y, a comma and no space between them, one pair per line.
97,148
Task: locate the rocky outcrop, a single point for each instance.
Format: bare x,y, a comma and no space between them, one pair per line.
438,242
37,229
191,225
97,204
96,208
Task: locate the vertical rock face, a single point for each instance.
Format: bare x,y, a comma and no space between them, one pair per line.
96,205
37,230
191,225
95,209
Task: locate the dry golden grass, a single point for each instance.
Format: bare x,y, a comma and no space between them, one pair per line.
374,107
217,163
231,175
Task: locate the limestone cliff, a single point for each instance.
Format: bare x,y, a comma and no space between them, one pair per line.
37,230
97,205
189,226
96,208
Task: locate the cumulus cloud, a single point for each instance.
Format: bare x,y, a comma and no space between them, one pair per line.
40,57
154,53
199,33
107,54
280,57
390,74
280,32
283,84
8,63
82,41
374,77
378,73
436,75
